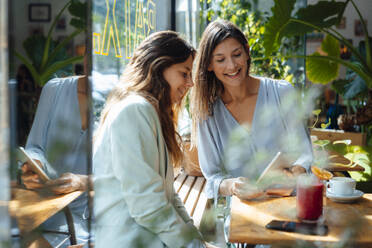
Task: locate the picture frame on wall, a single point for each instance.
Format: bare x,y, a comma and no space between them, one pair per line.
61,23
342,24
39,12
358,28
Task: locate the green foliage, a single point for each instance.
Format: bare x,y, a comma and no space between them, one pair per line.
252,23
45,56
358,155
320,17
321,70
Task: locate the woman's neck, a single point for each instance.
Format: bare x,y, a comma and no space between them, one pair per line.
82,87
241,92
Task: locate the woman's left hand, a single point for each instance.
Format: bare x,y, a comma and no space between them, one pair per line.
68,182
294,171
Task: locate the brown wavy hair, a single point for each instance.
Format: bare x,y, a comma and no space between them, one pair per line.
144,76
207,87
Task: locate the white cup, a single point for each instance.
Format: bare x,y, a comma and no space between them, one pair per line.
341,186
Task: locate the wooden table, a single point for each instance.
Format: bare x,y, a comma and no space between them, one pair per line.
248,220
32,208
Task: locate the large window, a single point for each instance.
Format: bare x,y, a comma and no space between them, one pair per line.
118,27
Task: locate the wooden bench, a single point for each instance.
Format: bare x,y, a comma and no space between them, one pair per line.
191,191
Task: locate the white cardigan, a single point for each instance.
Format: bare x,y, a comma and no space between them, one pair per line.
135,203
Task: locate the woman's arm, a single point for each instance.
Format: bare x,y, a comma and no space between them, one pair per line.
37,138
210,161
293,114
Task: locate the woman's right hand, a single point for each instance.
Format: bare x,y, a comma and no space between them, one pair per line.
241,187
30,179
246,190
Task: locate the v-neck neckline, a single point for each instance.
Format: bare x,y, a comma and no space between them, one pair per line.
255,108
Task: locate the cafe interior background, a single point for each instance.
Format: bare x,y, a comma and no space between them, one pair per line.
108,31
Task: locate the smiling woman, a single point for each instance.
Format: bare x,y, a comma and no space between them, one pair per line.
227,97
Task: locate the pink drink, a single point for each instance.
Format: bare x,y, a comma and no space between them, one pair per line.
309,200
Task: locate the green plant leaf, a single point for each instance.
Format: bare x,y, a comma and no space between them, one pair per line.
320,70
34,47
339,85
323,14
79,12
57,66
325,125
355,88
331,46
346,142
317,111
273,29
323,71
321,143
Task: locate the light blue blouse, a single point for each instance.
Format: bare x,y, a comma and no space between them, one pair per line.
58,141
226,149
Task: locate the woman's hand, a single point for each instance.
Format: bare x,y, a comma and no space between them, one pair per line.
68,182
294,171
244,189
30,179
241,187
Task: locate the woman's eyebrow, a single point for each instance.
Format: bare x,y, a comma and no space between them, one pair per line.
220,54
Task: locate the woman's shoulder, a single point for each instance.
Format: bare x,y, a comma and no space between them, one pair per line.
133,106
56,83
277,86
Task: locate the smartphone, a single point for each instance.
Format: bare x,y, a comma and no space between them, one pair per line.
34,166
297,227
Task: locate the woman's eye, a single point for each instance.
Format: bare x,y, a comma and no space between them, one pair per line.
220,60
184,74
237,55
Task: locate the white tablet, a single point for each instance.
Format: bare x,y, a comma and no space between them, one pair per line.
278,163
23,157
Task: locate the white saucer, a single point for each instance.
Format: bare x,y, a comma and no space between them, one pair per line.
345,198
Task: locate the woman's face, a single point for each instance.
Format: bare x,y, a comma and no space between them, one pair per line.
179,79
229,62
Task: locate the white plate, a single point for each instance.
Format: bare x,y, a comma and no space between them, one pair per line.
345,198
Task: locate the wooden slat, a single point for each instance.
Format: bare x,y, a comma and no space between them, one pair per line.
186,187
179,181
200,207
193,198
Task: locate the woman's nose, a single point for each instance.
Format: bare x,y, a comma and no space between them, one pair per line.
189,83
231,64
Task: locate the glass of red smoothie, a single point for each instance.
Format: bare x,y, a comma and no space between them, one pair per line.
309,198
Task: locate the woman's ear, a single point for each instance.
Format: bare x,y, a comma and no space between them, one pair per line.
210,67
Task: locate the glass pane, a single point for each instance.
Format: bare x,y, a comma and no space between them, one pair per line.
118,27
4,128
47,48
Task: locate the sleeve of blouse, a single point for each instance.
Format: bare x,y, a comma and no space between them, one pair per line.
135,155
210,159
181,210
294,115
37,138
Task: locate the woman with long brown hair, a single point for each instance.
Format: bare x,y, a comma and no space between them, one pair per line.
135,147
227,97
